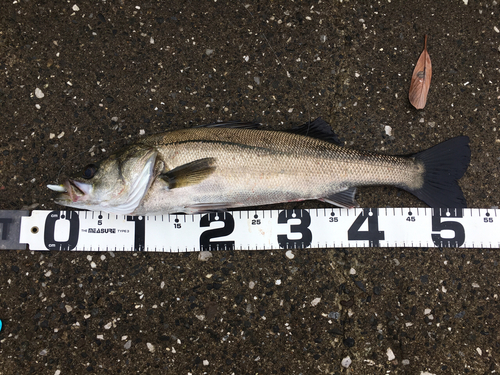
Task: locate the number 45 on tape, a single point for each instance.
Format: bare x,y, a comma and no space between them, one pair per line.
252,230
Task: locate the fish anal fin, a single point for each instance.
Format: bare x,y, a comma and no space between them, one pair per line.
189,174
203,208
319,129
345,198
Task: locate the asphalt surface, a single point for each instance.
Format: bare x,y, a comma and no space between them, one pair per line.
109,71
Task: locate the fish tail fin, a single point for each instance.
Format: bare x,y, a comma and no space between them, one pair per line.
444,164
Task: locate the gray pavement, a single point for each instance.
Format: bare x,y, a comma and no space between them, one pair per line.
81,79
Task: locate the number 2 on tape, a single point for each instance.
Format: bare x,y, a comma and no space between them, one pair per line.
208,235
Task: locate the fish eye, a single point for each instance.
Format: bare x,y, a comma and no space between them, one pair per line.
89,171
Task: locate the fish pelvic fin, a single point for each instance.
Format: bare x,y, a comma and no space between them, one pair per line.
189,174
204,208
345,198
444,165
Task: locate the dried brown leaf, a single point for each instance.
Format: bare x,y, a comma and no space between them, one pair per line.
421,79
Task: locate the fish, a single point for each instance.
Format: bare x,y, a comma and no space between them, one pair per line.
230,165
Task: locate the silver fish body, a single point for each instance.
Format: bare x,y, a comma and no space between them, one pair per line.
214,168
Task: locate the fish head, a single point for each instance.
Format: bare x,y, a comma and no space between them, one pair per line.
115,185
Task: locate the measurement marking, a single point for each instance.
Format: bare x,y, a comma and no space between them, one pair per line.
448,228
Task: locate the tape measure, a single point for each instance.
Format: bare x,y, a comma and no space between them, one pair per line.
251,230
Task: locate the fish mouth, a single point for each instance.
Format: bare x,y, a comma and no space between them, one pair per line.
72,190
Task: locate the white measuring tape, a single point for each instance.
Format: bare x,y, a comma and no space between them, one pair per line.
252,230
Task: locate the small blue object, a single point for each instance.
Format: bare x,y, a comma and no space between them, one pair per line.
0,325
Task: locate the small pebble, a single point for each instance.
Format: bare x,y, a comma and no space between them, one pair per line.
315,301
205,255
38,93
128,344
390,354
334,315
151,347
289,254
346,362
75,8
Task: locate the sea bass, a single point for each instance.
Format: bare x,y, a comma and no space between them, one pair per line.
220,166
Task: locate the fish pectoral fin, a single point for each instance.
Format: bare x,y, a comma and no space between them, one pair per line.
189,174
345,198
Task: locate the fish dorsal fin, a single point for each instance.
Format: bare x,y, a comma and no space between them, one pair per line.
189,174
345,198
231,124
319,129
